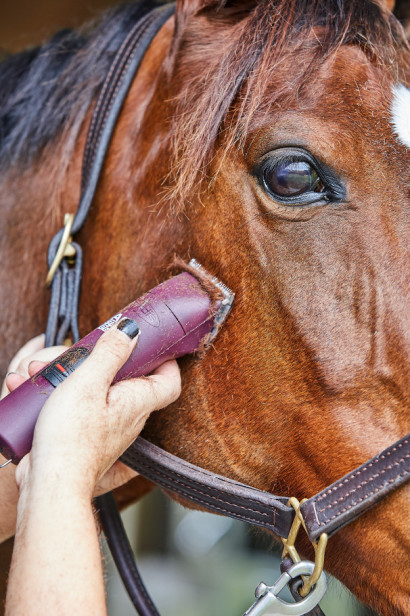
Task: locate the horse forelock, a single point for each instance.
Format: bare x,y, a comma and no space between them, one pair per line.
226,61
235,49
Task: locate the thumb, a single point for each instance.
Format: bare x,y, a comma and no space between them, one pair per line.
109,354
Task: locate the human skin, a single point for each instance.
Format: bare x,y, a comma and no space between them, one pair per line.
56,560
23,365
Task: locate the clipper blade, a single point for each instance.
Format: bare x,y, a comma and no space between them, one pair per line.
225,304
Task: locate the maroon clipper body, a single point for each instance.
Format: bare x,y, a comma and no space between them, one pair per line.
174,319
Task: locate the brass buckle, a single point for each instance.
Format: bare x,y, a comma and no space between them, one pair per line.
290,549
65,249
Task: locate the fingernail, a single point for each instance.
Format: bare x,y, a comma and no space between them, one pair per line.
9,373
129,327
34,361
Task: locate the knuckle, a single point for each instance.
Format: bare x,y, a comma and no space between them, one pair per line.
165,391
113,345
119,396
177,389
154,393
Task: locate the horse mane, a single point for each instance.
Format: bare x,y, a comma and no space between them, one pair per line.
47,90
240,63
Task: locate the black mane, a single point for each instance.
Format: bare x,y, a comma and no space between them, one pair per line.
44,88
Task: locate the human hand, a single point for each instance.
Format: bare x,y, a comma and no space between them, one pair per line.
86,424
20,368
30,359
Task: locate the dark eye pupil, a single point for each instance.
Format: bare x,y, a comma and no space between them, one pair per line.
289,179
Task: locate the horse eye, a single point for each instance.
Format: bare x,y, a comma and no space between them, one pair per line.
292,178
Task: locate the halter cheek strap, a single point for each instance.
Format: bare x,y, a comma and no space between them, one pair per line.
65,272
65,256
323,514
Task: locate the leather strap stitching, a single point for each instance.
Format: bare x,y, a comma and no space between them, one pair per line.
360,500
113,93
350,477
184,487
92,140
367,481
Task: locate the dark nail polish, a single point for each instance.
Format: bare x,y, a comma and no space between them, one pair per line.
129,327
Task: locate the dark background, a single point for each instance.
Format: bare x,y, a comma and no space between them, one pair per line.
29,22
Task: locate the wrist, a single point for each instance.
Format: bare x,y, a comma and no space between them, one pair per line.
44,501
37,480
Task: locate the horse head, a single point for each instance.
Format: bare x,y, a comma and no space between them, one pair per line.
269,140
289,181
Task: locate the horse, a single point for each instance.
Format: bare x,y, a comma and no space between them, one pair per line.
269,140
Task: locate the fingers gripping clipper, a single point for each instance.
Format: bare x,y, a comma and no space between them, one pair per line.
175,318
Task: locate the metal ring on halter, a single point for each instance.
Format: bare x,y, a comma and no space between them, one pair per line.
5,463
65,248
268,602
290,549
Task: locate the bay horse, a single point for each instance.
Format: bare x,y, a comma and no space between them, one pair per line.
270,141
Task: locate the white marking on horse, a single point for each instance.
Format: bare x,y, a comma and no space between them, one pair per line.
400,111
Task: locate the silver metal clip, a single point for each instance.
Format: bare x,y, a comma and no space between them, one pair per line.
268,603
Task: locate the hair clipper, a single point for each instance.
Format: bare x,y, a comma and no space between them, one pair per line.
175,318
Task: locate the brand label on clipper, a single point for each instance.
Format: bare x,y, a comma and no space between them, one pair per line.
58,370
148,314
110,322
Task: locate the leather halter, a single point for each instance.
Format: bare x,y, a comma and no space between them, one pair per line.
326,512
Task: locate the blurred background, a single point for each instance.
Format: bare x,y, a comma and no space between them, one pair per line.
194,564
200,564
24,22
